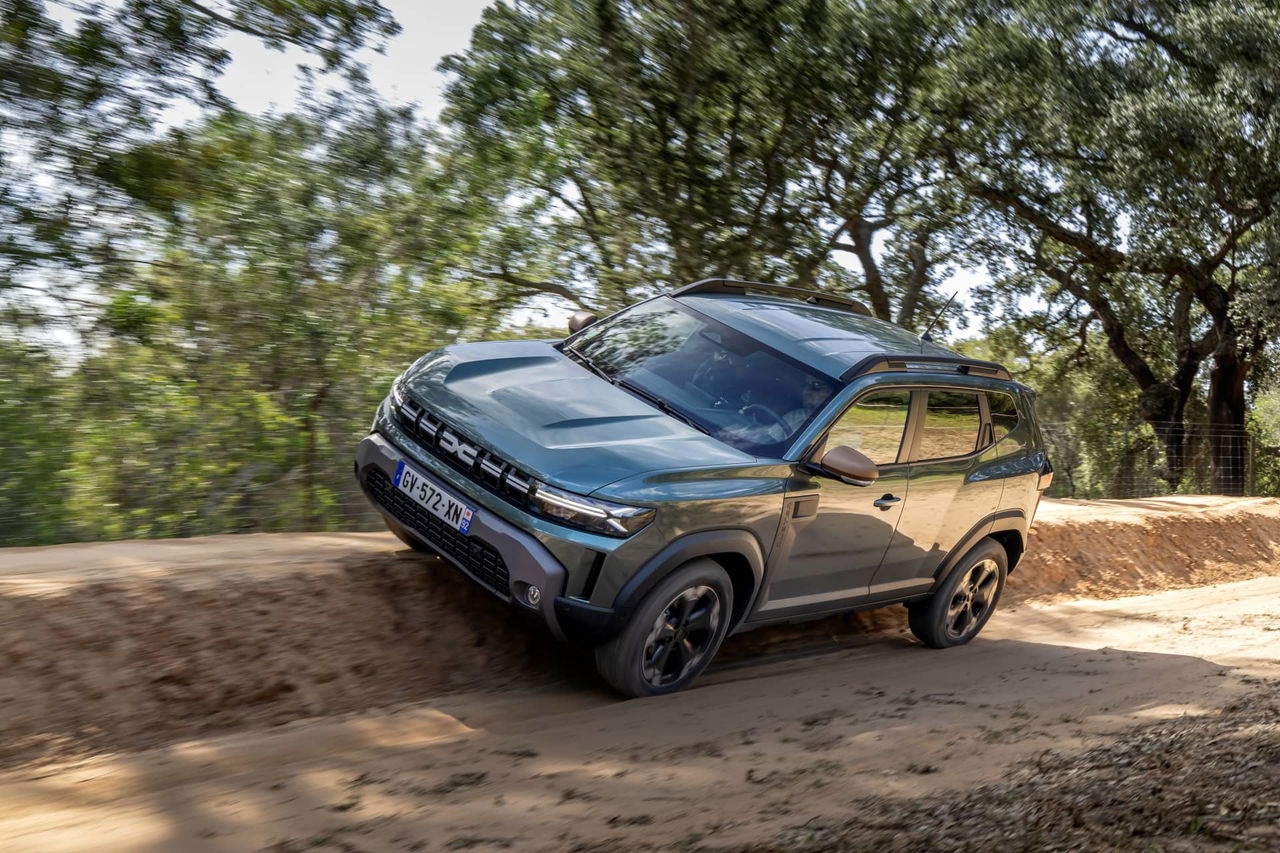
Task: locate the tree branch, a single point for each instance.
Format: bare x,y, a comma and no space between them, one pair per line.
536,286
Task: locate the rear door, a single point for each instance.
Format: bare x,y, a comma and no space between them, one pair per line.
953,482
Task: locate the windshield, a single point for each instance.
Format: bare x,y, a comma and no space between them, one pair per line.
730,386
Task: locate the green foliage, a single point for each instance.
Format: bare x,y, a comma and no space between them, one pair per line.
1130,152
643,145
233,296
290,271
85,82
34,431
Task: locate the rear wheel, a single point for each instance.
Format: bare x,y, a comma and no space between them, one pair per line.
673,633
955,614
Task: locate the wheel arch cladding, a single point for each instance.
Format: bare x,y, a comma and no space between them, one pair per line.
738,567
1006,528
1013,545
737,551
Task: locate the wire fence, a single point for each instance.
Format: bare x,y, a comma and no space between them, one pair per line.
112,474
1149,460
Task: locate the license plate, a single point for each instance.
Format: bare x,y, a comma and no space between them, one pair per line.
433,498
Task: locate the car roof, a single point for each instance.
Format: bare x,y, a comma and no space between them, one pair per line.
827,338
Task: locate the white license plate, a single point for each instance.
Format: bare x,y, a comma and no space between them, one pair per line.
433,498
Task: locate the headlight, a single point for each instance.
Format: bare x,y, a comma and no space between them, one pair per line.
592,514
397,393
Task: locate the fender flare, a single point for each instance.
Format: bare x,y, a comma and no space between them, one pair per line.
689,547
1005,520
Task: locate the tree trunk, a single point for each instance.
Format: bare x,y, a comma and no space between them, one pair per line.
1162,405
863,235
1227,435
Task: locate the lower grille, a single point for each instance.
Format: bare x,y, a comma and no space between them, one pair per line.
478,558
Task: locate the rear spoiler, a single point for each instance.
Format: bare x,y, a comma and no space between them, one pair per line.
884,363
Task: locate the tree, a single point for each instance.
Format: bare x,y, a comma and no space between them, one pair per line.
1135,148
84,83
292,266
650,144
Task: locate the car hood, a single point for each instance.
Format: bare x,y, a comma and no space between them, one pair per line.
553,418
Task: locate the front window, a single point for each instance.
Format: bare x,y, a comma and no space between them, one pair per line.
874,425
721,381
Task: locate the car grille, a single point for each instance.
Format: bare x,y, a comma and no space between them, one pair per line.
478,558
486,469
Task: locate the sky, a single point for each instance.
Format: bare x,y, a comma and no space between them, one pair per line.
260,79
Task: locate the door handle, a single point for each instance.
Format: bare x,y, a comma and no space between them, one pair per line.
886,502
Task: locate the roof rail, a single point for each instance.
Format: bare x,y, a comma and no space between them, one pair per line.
812,297
883,362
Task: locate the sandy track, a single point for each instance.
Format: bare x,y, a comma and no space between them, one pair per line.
126,645
753,752
129,645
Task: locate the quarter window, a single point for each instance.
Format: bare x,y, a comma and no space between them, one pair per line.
952,421
1004,414
873,425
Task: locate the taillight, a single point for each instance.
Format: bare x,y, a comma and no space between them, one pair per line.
1046,476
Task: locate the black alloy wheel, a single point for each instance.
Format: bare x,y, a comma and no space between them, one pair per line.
958,609
681,636
672,634
973,599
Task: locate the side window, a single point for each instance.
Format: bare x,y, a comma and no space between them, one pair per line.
874,425
952,421
1004,414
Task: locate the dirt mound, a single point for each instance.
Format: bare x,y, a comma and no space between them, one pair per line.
124,645
1107,549
129,658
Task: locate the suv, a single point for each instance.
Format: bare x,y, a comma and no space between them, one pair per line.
718,458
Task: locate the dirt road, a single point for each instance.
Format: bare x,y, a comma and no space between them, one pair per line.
789,731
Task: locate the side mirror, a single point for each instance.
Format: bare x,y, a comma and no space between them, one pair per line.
580,320
849,465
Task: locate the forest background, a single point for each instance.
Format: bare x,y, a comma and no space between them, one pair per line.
198,315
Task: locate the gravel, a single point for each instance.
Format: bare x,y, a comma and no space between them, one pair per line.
1193,783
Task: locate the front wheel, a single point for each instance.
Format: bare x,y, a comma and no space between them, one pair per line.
955,614
673,633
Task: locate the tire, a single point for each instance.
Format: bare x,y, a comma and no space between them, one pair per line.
408,538
956,612
672,635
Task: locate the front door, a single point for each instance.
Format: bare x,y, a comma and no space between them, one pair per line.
834,535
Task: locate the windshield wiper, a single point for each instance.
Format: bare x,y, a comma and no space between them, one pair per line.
586,362
662,404
648,397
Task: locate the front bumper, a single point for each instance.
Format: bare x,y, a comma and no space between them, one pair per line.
525,560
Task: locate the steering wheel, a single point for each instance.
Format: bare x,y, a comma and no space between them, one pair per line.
752,408
704,380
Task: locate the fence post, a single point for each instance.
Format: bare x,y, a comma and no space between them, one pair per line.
1250,466
1127,490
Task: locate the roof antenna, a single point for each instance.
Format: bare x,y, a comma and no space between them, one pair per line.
924,336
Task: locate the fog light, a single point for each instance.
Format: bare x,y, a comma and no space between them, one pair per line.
533,595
